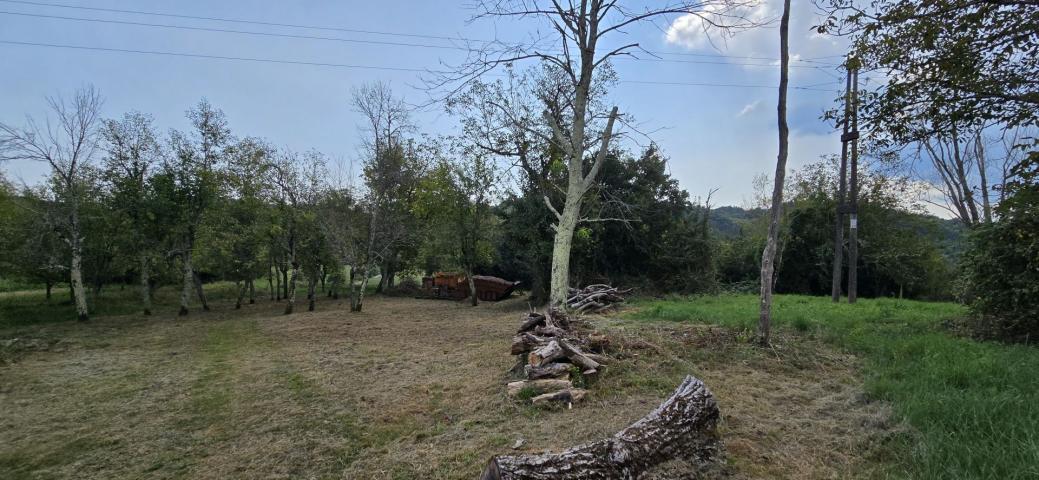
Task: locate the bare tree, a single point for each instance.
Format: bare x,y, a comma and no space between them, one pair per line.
581,125
67,144
769,255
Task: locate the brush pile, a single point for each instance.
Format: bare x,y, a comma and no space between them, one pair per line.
554,359
597,298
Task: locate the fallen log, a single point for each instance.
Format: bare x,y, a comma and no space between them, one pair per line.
552,370
526,342
568,396
546,354
549,331
538,386
684,426
601,359
576,356
533,319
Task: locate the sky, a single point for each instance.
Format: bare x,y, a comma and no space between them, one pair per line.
716,137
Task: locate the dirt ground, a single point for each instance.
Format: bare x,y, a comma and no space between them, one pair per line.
407,389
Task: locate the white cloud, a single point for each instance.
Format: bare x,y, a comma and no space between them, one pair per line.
750,107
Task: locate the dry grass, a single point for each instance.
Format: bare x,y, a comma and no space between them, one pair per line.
408,389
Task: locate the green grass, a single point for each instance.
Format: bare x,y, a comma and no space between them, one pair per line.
973,406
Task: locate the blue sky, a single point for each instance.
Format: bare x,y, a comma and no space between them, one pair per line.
715,137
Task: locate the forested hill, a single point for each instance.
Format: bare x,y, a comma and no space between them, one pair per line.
948,235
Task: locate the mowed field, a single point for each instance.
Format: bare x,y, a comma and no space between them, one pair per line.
407,389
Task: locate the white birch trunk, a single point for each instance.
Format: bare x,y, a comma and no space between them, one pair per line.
76,275
561,246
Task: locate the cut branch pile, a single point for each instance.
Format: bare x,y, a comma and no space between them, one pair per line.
684,426
595,298
551,358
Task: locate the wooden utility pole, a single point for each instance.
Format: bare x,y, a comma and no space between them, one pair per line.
838,235
853,210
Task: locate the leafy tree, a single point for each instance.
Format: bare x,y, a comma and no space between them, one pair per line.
1001,264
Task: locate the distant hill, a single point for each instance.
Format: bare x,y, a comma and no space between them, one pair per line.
950,235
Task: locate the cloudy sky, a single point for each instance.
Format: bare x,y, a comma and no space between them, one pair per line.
708,99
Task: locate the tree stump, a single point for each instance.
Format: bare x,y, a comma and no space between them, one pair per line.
684,426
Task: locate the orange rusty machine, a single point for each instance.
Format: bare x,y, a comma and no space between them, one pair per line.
455,286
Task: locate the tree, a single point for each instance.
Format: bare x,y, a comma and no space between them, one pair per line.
947,64
580,126
191,187
67,144
769,255
298,182
133,149
391,172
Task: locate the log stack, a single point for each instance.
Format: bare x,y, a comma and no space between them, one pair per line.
552,359
597,298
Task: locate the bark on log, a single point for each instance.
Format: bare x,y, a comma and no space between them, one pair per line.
538,386
684,426
532,320
546,354
577,357
601,359
526,342
568,396
552,370
550,331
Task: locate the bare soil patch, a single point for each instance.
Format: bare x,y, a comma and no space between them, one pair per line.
407,389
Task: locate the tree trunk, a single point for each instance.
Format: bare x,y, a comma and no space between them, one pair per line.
146,296
472,287
291,294
311,294
76,276
357,302
682,427
189,280
769,255
561,245
252,292
270,280
241,294
201,292
986,204
285,283
49,285
277,283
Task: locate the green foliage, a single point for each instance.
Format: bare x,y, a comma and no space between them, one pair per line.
973,406
1001,265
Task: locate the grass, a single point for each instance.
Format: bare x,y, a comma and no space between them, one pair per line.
973,407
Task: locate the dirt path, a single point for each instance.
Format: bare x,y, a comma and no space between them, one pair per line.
408,389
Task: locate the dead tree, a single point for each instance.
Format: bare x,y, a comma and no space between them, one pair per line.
582,126
684,426
67,147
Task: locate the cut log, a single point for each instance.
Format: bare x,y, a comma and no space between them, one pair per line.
568,396
601,359
550,331
545,355
684,426
538,386
576,356
533,319
526,342
552,370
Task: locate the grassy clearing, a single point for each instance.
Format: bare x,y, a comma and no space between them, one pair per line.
973,406
406,389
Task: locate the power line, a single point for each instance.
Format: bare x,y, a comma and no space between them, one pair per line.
340,39
314,27
337,65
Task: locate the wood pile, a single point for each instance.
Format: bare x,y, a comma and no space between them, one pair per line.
597,298
684,426
552,357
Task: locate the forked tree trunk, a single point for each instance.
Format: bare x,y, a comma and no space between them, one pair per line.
683,427
146,294
769,255
189,280
201,292
291,294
